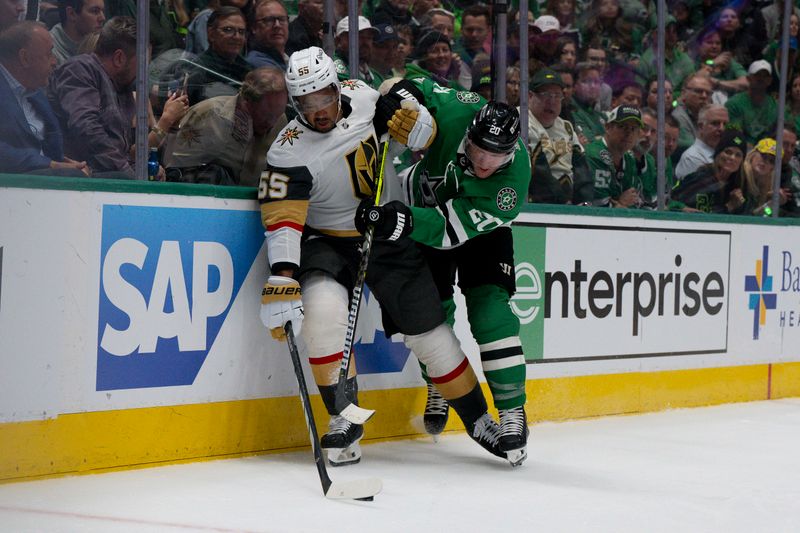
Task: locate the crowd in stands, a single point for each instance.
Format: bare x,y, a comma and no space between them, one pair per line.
218,99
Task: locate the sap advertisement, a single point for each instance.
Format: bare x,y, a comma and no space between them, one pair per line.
168,278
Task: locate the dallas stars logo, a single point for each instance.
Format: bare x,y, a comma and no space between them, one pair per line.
506,199
350,84
289,135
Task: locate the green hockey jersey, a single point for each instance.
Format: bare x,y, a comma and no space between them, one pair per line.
450,205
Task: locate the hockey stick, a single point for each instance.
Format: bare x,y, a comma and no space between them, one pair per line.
347,409
362,489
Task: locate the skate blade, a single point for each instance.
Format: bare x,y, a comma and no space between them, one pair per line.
517,457
344,456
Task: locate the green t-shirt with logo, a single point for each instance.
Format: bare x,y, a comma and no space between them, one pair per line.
609,181
755,122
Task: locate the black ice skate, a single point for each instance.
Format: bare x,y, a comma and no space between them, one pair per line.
436,411
513,440
486,432
341,441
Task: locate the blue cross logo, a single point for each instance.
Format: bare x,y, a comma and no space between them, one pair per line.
760,287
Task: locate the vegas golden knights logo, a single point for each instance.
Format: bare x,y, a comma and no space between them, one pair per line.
363,164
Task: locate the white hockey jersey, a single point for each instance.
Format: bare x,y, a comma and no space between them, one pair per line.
318,179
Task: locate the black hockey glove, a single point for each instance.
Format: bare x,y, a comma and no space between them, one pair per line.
392,221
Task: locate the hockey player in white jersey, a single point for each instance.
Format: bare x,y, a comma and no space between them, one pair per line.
318,170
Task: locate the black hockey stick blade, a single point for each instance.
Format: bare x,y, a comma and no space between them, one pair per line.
354,490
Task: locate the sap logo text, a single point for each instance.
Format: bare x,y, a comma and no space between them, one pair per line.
169,277
150,320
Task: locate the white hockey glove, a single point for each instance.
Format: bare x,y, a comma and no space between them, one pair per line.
412,125
281,303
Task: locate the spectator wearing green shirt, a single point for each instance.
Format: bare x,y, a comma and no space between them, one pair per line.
587,121
677,63
611,162
726,74
754,111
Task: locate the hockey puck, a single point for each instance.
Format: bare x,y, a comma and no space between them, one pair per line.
367,499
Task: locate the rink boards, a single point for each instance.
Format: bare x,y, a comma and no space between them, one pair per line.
129,329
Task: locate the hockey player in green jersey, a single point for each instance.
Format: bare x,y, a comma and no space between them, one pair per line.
463,195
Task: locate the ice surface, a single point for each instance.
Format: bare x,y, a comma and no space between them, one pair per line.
731,468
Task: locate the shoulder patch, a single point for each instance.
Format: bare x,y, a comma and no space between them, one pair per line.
350,84
506,199
289,135
341,68
468,97
605,155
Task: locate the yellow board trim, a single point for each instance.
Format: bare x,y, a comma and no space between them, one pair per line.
130,438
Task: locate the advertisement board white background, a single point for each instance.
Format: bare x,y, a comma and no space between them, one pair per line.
51,289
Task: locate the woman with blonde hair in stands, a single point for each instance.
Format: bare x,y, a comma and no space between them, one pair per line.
756,179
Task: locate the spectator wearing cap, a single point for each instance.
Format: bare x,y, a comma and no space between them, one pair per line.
727,76
754,111
712,121
395,13
611,162
559,171
366,36
306,29
587,120
695,95
439,19
384,49
543,42
756,179
475,29
715,188
269,29
677,63
435,59
221,68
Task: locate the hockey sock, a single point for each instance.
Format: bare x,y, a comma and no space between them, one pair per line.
328,393
497,334
471,406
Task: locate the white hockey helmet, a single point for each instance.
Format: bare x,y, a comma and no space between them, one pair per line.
309,70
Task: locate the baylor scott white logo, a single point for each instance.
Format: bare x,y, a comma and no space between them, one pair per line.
168,279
